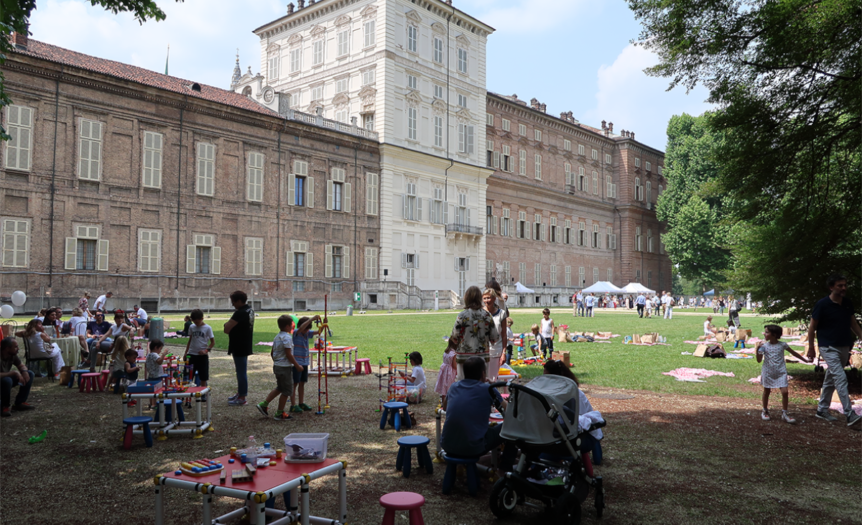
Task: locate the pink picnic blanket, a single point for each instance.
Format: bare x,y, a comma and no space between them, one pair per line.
838,408
756,380
612,336
695,375
649,344
265,343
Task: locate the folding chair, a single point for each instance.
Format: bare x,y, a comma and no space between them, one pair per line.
30,359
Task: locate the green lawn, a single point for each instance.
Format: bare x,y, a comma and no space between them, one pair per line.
612,365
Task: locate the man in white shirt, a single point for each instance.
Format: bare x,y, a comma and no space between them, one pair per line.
139,319
640,302
668,306
101,301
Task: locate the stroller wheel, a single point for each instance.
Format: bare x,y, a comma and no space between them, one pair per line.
504,499
568,509
600,503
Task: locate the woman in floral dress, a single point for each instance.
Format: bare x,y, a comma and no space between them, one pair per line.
475,329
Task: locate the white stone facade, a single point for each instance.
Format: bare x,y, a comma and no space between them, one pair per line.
415,74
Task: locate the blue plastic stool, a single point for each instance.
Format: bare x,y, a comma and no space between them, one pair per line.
77,373
405,457
397,408
451,470
169,413
130,423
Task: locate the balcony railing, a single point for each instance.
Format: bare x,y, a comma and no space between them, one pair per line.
463,228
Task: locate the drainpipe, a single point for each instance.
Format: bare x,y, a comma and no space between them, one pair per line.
53,183
179,191
278,218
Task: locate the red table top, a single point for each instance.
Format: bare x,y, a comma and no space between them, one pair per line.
265,479
334,349
191,390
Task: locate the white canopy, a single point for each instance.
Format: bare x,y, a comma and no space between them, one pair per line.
520,288
638,288
601,287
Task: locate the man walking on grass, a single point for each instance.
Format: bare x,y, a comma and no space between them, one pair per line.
834,322
640,302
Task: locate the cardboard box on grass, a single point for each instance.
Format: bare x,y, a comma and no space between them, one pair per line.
700,351
562,356
648,339
721,337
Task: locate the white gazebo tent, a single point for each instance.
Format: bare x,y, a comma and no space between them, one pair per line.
602,287
636,288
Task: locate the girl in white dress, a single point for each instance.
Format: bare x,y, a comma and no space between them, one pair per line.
774,372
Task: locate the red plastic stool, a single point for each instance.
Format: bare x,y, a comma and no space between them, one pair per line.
90,381
103,381
403,501
359,363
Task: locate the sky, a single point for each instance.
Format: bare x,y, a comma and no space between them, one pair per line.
573,55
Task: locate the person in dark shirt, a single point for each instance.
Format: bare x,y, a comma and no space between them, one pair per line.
240,331
9,378
834,322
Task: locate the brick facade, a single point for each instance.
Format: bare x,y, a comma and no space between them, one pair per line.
254,237
551,188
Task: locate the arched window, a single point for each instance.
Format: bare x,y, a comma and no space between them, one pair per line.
246,91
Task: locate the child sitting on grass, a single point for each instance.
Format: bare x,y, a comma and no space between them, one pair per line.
774,373
300,351
541,344
283,365
416,378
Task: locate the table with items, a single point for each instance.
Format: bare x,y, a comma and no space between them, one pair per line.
338,360
255,486
170,418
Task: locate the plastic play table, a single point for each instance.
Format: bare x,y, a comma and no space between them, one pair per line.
266,484
338,360
162,428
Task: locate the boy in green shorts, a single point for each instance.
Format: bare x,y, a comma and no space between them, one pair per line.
283,364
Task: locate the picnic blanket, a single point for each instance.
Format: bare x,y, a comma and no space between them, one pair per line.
265,343
756,380
611,337
838,408
695,375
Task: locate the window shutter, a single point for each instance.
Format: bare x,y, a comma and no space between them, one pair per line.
543,231
309,192
328,267
469,130
289,258
190,258
418,209
102,264
291,189
416,260
403,260
345,262
309,264
215,267
143,251
347,197
329,195
457,266
71,252
467,264
445,213
468,217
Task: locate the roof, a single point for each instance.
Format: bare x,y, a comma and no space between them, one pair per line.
140,75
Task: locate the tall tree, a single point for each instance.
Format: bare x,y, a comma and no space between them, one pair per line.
785,75
697,237
15,18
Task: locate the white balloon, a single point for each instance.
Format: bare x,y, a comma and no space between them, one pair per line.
19,298
6,311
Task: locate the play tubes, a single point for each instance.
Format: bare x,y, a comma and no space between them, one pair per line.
322,376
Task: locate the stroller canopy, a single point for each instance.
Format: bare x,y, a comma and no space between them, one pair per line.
532,424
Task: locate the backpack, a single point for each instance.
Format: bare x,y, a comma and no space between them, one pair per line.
715,351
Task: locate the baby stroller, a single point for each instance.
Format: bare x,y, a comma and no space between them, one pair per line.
537,422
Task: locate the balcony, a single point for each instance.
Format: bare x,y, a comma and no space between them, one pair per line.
463,229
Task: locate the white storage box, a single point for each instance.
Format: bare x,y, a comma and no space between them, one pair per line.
305,448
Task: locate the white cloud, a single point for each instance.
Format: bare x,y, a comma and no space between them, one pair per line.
636,102
525,16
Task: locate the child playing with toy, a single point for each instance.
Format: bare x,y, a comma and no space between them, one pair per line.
201,341
547,330
129,371
153,365
416,378
300,351
283,365
510,340
541,344
774,373
448,371
118,359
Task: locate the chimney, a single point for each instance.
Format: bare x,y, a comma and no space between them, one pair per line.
604,124
534,103
290,9
543,108
623,132
300,4
632,133
610,127
20,40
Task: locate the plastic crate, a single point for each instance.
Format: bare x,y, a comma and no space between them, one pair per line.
305,448
144,387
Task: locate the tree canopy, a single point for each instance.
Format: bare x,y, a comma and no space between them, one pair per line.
785,76
15,18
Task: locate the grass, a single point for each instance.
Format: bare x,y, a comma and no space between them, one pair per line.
613,365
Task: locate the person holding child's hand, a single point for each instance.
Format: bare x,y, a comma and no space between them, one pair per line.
774,373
